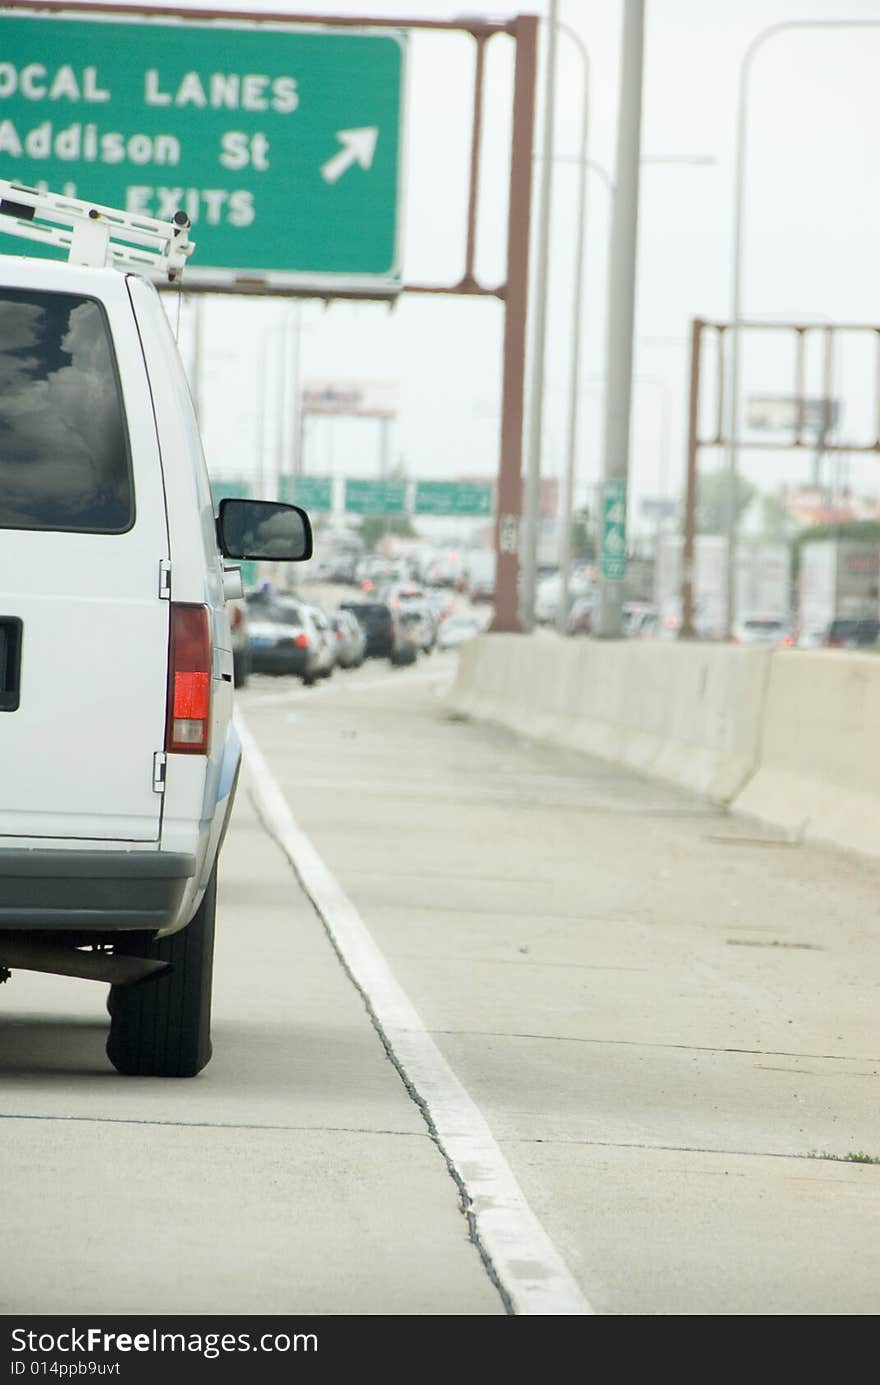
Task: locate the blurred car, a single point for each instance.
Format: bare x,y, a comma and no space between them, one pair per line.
241,645
456,629
773,630
441,602
640,619
377,621
548,594
418,618
580,616
845,633
351,641
326,641
406,649
343,569
479,576
375,571
396,593
283,638
386,637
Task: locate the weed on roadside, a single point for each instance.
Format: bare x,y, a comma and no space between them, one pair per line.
854,1157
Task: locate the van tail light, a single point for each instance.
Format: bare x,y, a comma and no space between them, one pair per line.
188,721
301,641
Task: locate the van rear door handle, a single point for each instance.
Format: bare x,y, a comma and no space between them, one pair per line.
10,663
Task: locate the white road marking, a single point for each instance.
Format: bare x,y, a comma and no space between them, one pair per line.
530,1271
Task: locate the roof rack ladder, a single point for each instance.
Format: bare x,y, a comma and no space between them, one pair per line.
95,235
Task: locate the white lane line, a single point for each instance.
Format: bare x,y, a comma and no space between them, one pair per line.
366,685
527,1266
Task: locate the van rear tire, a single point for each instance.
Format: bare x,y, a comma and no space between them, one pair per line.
162,1027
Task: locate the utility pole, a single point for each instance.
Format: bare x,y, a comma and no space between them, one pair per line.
195,383
621,320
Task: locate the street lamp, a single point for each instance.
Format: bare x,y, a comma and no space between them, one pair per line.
575,359
281,341
567,506
531,503
736,286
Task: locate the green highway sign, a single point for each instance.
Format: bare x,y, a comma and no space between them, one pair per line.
282,143
230,490
613,561
314,493
375,497
453,498
235,490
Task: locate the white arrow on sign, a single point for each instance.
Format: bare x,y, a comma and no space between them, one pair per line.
358,146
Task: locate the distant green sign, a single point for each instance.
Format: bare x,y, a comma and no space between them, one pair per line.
453,498
235,490
282,144
230,490
613,561
375,497
313,493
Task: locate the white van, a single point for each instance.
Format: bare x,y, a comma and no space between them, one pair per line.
118,754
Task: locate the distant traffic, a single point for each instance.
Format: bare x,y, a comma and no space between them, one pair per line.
348,610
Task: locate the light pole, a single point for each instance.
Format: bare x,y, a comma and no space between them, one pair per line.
536,375
737,276
575,361
567,506
620,323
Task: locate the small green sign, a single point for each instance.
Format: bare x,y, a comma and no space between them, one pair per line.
281,143
236,490
229,490
312,493
453,498
614,531
375,497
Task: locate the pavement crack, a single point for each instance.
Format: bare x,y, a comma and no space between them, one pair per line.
648,1148
642,1043
214,1125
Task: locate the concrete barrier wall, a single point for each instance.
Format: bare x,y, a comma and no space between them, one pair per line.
687,713
818,772
790,738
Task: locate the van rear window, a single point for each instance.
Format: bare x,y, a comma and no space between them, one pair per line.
64,458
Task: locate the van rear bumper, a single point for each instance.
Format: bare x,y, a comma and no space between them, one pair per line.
92,891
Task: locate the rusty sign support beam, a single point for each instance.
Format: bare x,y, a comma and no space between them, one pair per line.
509,497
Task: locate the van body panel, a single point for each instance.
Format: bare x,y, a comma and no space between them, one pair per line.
77,752
101,829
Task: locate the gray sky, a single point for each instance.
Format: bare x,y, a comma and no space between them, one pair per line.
812,228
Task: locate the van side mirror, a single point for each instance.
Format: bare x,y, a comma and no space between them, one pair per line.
264,529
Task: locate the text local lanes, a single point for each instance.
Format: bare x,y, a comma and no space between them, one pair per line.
87,142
